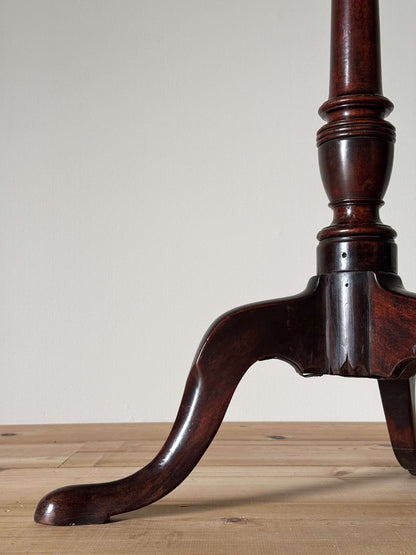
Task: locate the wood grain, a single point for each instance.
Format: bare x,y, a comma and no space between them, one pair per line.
286,488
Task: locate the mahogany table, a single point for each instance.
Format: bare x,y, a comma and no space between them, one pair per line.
353,319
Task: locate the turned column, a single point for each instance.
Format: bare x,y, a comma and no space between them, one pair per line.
355,147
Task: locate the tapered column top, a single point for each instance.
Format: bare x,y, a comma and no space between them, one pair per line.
355,48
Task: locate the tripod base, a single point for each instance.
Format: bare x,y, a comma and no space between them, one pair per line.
344,323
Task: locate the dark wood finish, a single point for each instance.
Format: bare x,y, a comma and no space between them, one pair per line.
232,344
355,48
354,318
398,398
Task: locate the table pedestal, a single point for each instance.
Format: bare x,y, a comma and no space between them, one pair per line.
353,319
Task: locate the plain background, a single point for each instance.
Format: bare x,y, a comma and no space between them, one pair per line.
158,167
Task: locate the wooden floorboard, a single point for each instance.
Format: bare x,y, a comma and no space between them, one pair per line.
285,488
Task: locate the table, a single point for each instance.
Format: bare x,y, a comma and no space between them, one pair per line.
354,319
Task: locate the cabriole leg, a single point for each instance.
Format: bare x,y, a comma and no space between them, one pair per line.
398,397
233,343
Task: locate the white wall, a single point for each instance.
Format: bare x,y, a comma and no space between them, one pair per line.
158,167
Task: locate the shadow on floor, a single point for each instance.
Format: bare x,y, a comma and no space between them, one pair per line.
341,480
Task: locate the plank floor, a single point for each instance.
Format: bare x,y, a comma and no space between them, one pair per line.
281,488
